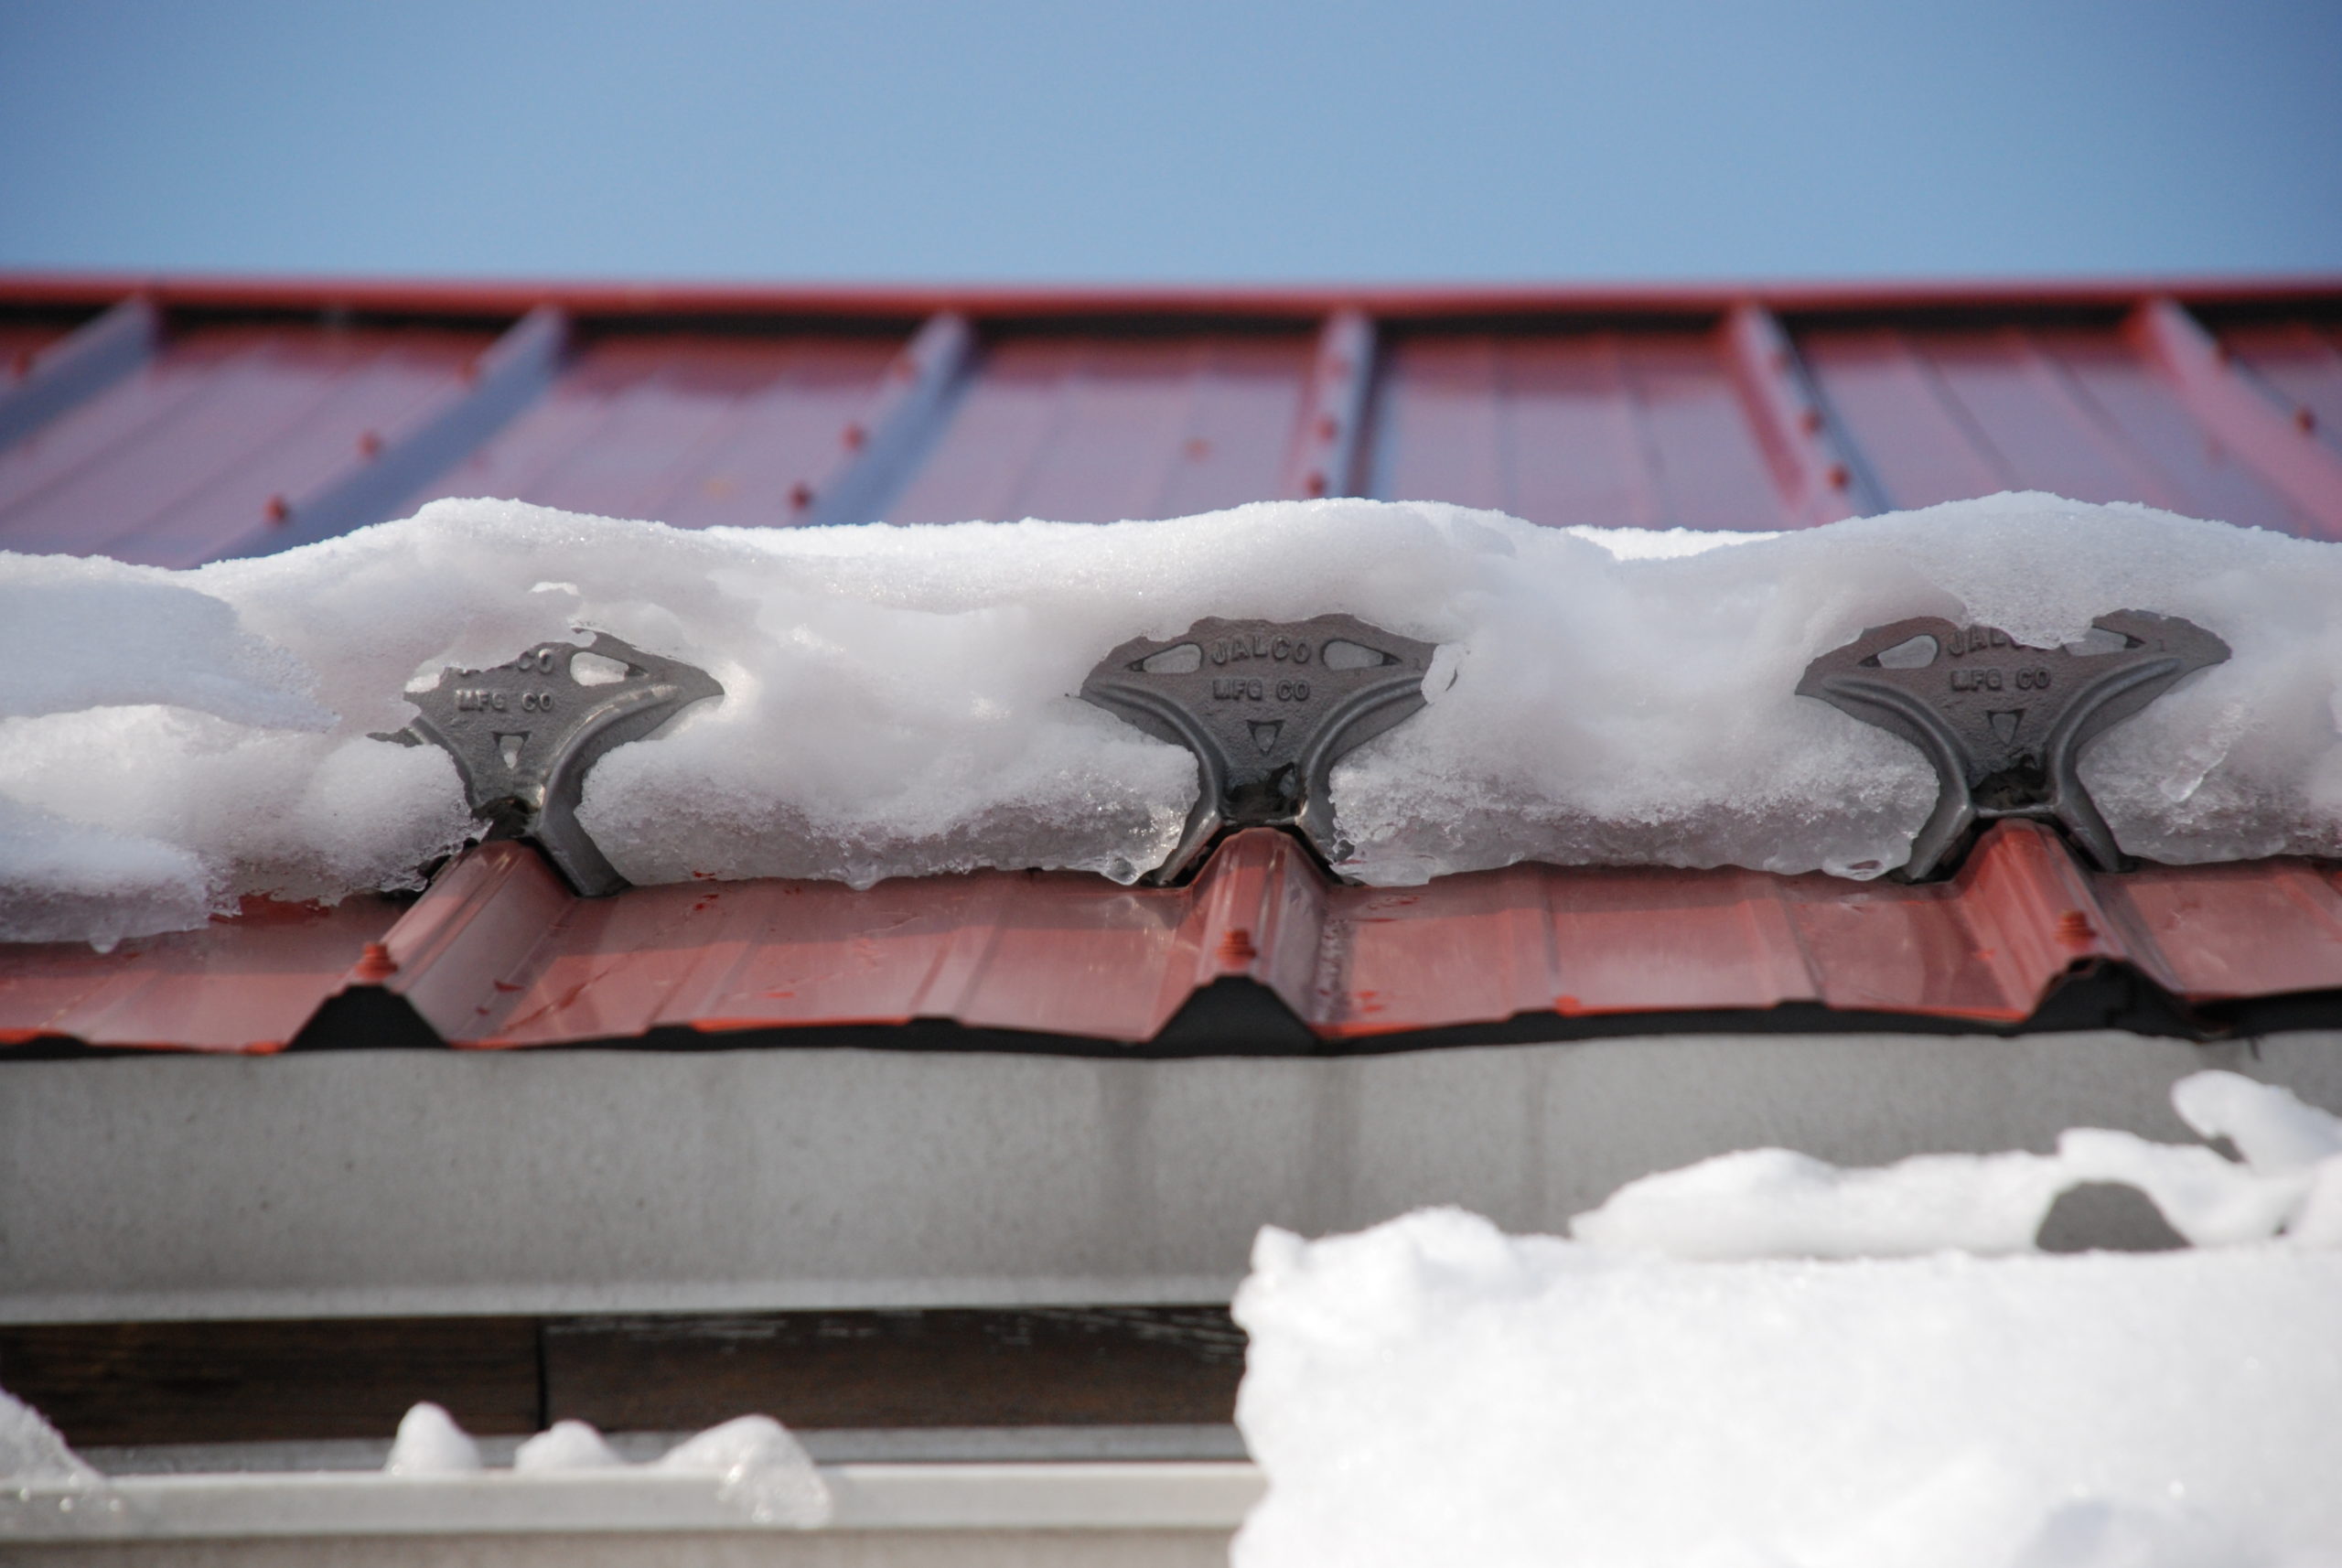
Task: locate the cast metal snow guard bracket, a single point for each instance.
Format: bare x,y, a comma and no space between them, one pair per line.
2003,724
524,734
1267,707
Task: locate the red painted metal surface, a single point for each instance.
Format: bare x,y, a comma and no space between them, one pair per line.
2240,414
1617,429
1818,479
696,429
49,373
246,984
1100,428
2299,361
1942,413
2217,933
20,342
1324,459
499,954
208,445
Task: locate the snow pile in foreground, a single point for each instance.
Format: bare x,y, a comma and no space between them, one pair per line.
1433,1391
757,1467
1776,1203
757,1463
32,1450
899,700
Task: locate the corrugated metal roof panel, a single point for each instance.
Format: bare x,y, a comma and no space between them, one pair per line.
1617,429
1099,428
696,429
2301,361
1943,413
20,342
499,954
220,436
246,984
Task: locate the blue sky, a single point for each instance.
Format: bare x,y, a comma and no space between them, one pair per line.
1025,141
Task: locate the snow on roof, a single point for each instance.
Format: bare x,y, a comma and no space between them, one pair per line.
898,702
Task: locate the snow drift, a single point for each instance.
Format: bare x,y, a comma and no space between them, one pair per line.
899,700
1434,1391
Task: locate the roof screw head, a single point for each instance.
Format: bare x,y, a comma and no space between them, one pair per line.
1315,483
1328,427
801,496
374,965
370,444
2075,929
278,509
1837,476
854,437
1810,421
2305,418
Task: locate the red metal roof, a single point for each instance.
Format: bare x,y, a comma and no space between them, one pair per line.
176,421
1261,951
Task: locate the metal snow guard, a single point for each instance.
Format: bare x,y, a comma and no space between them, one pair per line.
1267,707
524,736
2006,724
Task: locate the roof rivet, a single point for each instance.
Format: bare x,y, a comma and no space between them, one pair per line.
1810,421
370,444
854,435
1328,427
1237,947
278,509
2305,418
801,496
1316,482
1837,476
374,965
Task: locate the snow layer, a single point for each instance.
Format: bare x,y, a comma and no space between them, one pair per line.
898,699
430,1443
32,1450
1776,1203
567,1445
1433,1391
757,1466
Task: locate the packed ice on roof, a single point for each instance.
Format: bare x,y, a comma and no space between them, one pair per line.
898,701
1815,1373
